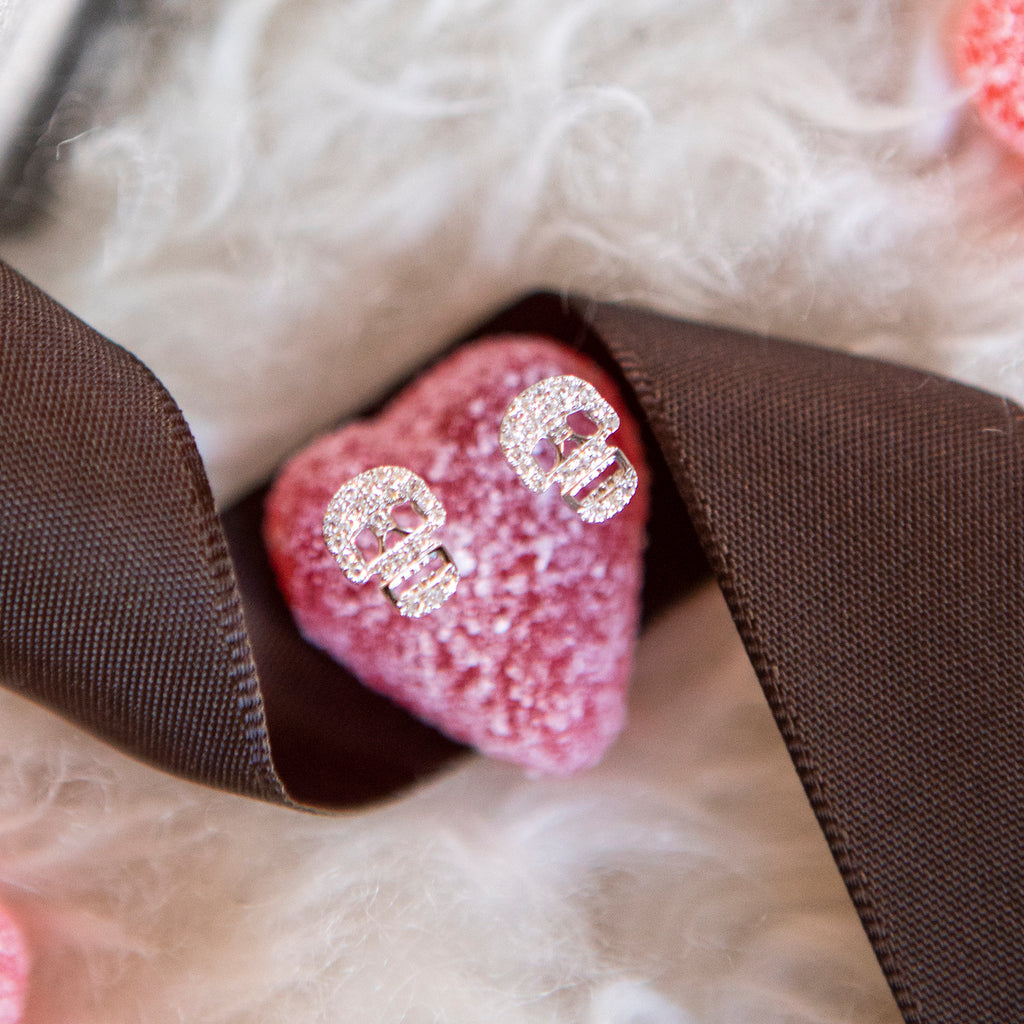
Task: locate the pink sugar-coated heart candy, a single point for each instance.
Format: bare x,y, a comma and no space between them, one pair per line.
14,968
989,56
530,659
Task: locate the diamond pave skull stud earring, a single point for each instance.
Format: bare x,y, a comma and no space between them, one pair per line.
556,432
382,523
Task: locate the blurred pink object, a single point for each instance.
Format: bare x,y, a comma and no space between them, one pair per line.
989,55
14,966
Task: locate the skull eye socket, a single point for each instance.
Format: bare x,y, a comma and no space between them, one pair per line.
407,517
581,424
368,544
546,455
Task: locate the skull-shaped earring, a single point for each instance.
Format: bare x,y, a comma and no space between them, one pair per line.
382,523
565,422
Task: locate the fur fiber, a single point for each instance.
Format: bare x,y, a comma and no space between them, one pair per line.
280,207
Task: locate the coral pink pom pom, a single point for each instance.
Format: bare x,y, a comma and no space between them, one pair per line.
529,658
14,965
989,54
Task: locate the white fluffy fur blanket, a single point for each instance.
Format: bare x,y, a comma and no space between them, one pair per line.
279,207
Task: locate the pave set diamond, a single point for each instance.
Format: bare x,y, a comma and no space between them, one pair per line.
367,503
542,413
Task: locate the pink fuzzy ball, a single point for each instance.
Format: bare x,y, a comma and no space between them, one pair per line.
989,56
14,965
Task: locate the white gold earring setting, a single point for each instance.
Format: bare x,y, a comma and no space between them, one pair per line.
382,523
556,432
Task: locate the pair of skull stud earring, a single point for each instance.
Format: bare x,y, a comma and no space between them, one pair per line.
390,500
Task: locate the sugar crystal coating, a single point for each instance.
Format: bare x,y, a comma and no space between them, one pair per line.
530,658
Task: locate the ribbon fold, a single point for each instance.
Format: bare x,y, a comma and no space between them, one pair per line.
865,522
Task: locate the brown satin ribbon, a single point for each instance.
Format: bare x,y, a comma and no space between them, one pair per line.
865,521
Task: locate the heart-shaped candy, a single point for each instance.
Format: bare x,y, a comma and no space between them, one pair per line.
529,659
